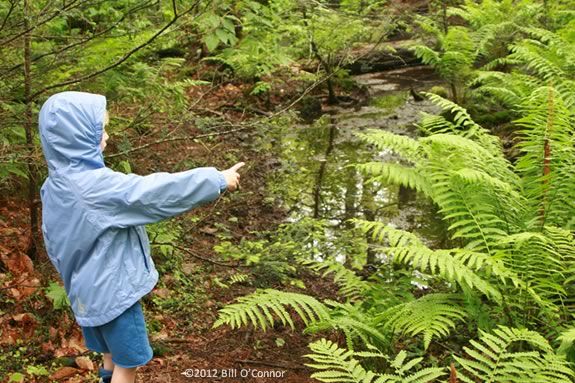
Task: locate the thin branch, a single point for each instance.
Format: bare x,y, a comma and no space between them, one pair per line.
29,29
121,60
12,6
186,138
188,251
305,92
175,8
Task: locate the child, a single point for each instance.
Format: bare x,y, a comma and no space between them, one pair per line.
92,221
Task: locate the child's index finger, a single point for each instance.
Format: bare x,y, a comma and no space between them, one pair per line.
238,165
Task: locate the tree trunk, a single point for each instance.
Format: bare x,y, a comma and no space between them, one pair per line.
28,124
321,173
350,203
369,207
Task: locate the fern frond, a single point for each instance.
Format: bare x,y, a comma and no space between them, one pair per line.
339,365
567,346
433,315
257,309
427,55
395,174
353,321
351,285
407,249
408,148
494,358
546,144
238,278
542,66
432,124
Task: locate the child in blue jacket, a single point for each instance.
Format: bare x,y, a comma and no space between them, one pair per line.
93,224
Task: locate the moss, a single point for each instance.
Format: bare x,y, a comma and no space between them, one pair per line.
440,91
390,101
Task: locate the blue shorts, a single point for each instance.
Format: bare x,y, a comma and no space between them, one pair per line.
125,337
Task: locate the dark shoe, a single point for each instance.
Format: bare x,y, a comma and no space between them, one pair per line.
105,376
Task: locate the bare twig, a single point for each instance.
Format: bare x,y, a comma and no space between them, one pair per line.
193,254
28,29
173,139
12,5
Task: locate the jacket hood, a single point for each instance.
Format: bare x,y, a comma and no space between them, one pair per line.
71,127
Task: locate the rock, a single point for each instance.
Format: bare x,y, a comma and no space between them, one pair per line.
310,109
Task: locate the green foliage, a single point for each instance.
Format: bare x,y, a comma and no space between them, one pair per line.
257,309
389,102
567,346
339,365
433,315
354,322
351,285
513,355
546,164
163,235
454,60
57,294
16,377
456,266
271,259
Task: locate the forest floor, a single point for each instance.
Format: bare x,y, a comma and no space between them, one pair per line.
45,344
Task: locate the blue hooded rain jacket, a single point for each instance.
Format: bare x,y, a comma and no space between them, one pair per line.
93,217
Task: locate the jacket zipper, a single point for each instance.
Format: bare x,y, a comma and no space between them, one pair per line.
143,251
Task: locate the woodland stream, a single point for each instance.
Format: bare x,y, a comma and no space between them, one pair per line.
316,181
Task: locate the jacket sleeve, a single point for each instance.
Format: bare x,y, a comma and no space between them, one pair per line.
122,200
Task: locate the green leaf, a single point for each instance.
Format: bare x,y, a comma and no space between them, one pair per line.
212,41
57,294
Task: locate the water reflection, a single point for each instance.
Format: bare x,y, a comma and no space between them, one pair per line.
315,181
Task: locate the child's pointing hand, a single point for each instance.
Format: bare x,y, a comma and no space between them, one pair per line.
232,176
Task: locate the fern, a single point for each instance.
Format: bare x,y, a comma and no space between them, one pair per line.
353,322
462,169
567,346
546,163
339,365
389,173
408,148
542,260
352,286
501,357
238,278
450,265
433,315
257,309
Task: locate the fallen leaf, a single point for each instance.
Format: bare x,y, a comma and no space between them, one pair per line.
48,347
64,372
84,363
158,361
77,343
17,263
188,268
28,323
162,293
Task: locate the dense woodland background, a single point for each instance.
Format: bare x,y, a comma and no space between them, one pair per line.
406,211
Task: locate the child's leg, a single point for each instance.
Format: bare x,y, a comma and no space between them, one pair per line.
128,344
124,375
108,364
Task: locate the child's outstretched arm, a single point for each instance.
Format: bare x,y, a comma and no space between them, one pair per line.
120,200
